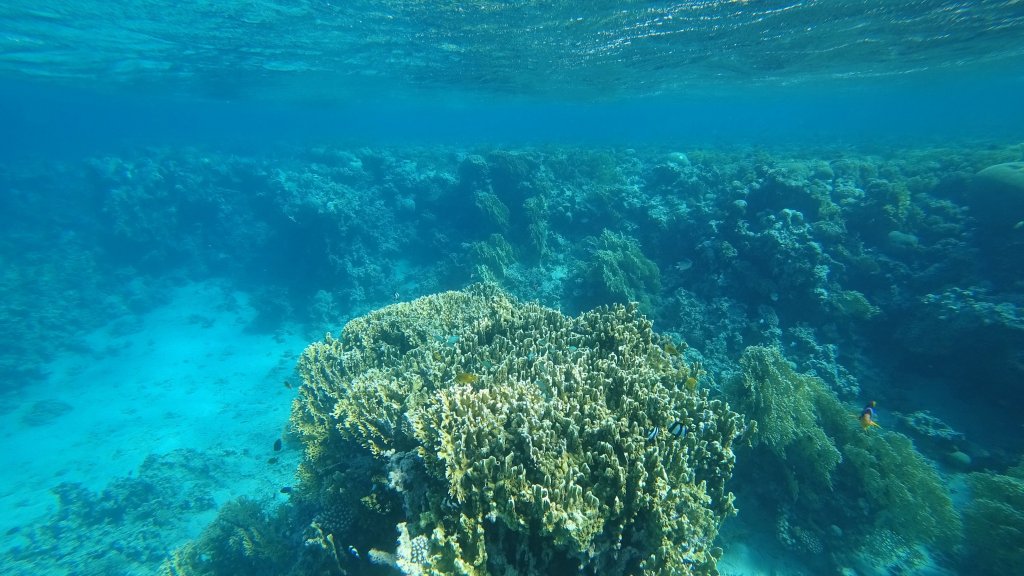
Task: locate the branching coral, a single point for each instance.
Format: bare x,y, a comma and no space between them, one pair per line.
243,538
783,404
617,271
860,482
492,209
492,258
520,440
994,523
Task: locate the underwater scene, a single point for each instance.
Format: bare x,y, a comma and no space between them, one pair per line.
512,288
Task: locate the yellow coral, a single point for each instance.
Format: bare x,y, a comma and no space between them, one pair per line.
540,460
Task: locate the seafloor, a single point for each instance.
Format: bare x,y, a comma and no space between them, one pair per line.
155,305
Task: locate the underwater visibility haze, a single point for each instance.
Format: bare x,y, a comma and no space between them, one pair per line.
301,287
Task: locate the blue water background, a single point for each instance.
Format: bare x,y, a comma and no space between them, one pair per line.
45,122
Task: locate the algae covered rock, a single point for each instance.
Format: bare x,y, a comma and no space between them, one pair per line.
469,433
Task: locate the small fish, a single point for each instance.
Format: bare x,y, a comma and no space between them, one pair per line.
286,490
691,383
670,348
653,433
277,445
677,429
449,504
867,417
271,460
466,377
287,384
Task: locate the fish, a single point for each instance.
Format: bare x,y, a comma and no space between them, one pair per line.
653,433
287,384
677,429
466,377
691,383
271,460
277,445
286,490
867,417
867,422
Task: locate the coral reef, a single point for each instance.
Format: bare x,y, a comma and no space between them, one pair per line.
718,329
616,270
509,193
850,303
927,429
54,278
997,197
996,200
492,258
977,323
994,523
826,476
126,528
243,539
870,269
492,209
784,404
498,437
818,239
821,360
966,314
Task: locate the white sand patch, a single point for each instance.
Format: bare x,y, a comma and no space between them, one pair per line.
743,560
190,376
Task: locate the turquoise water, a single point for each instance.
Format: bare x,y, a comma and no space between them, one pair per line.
816,204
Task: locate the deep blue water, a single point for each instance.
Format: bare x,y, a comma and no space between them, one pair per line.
192,193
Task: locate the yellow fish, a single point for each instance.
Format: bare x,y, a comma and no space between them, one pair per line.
866,421
466,377
867,417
